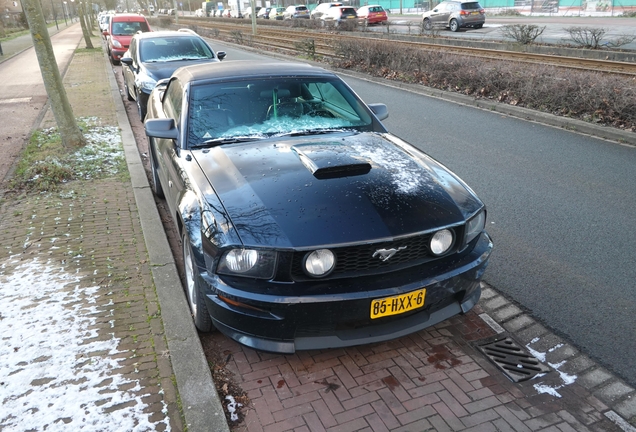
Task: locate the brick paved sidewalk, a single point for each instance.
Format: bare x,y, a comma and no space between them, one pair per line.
83,344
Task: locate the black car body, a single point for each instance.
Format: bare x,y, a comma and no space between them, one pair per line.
155,56
304,223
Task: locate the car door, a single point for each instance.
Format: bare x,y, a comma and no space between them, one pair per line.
129,71
167,151
440,14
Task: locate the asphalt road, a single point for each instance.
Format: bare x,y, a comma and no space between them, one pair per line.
560,209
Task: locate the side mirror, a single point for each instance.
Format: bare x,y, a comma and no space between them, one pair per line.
380,110
127,61
221,54
105,33
161,128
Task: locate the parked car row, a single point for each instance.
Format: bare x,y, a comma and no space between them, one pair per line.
333,12
381,241
452,14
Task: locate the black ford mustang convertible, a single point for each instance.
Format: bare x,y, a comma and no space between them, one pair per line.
304,223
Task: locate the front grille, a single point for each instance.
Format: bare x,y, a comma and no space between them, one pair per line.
354,261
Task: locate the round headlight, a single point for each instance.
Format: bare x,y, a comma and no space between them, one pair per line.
320,262
441,242
241,260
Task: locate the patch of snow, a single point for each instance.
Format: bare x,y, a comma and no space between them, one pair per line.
50,375
566,379
407,175
232,407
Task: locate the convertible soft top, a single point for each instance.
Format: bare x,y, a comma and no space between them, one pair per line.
244,69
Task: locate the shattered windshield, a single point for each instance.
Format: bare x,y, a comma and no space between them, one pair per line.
228,112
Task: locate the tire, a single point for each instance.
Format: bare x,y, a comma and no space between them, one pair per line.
454,25
478,26
141,110
156,184
199,310
112,60
427,24
127,90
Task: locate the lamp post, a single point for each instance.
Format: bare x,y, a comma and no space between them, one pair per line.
64,12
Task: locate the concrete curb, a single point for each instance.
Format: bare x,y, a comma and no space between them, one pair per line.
202,409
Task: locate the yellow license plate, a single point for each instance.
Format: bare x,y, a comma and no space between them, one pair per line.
399,304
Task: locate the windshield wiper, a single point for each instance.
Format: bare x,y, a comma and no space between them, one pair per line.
225,140
315,132
182,59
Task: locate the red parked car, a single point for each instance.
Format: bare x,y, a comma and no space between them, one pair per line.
373,14
120,31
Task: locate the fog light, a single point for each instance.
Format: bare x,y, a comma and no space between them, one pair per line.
441,242
320,262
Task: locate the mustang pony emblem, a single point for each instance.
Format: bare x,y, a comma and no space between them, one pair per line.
385,254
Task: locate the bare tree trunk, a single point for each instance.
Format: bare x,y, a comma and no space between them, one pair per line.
90,14
62,111
82,18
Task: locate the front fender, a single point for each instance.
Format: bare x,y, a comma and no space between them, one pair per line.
190,215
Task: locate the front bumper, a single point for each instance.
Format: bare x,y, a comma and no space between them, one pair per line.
118,53
284,324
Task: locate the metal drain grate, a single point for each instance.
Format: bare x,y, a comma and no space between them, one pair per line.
512,359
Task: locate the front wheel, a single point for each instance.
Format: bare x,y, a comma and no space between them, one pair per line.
478,26
454,25
199,310
156,184
427,24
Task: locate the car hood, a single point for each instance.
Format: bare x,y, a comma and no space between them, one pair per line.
162,70
348,188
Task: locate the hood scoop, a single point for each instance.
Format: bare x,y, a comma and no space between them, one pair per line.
331,160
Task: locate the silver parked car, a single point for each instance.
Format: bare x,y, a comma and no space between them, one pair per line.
321,9
455,14
297,11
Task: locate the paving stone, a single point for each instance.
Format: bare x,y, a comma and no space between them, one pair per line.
506,313
494,304
594,378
